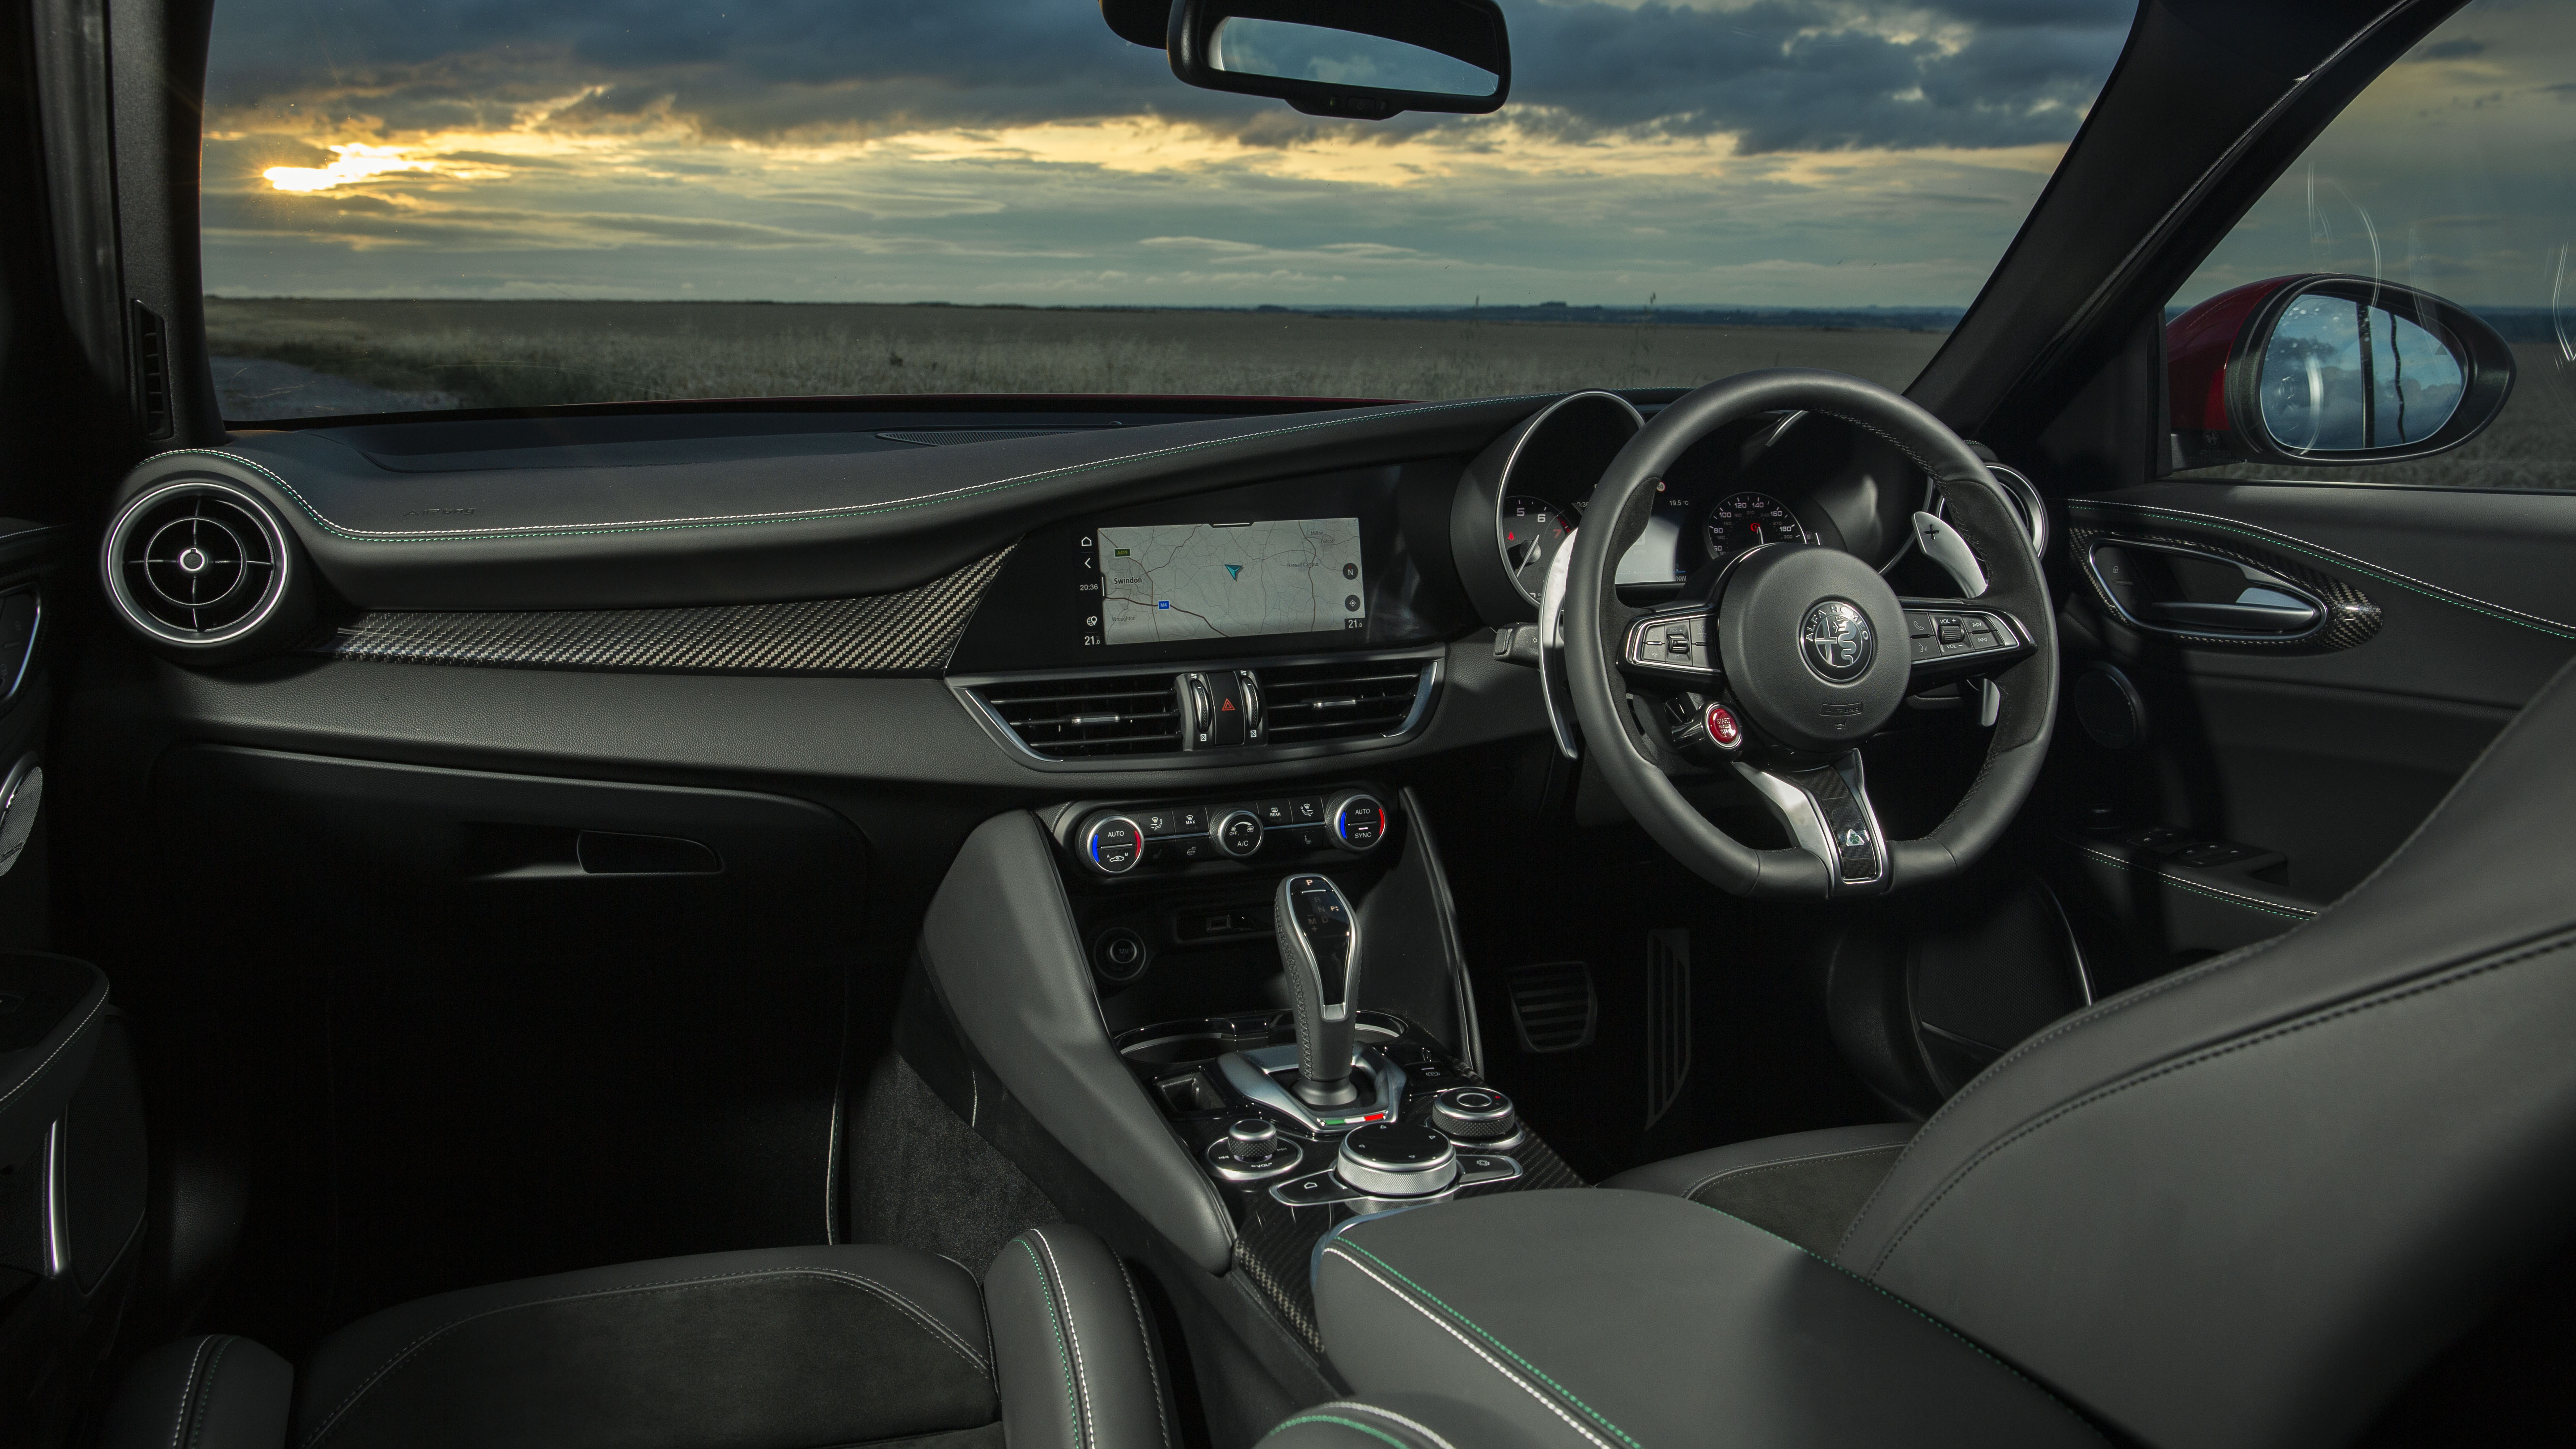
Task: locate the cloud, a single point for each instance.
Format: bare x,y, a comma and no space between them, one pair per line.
1778,74
1015,149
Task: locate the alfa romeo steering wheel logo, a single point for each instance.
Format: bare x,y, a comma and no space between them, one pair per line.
1837,640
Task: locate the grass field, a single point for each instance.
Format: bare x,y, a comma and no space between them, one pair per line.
531,353
511,354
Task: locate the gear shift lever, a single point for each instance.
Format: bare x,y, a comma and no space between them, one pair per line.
1319,947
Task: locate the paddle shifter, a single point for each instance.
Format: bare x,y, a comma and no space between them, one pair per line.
1319,947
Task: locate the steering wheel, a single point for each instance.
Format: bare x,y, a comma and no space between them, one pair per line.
1797,654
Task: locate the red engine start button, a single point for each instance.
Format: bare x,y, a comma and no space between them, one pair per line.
1723,730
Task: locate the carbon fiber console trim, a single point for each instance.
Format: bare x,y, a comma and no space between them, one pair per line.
909,631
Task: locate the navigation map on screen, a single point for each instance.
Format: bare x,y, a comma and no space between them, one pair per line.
1163,582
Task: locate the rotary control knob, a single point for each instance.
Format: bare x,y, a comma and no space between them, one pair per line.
1113,844
1356,821
1252,1142
1474,1114
1397,1159
1238,833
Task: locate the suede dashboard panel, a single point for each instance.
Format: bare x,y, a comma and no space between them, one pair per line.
767,528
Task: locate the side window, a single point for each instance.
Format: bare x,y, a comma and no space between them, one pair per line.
2430,336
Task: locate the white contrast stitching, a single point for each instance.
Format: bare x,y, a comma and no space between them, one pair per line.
1072,1333
59,1048
1786,1161
905,1305
786,515
1551,1405
1145,1344
2442,592
188,1389
2296,913
1389,1415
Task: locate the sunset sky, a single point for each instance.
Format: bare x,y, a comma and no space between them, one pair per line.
1780,152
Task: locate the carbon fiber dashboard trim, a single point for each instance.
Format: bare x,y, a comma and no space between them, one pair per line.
910,631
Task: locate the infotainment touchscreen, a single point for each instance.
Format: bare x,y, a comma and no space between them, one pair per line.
1162,582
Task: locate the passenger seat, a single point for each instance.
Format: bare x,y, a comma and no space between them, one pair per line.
775,1348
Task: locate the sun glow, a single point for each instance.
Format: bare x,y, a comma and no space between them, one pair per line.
356,162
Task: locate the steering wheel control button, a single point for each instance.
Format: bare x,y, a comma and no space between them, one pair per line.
1671,641
1397,1160
1357,821
1724,730
1113,845
1238,833
1474,1114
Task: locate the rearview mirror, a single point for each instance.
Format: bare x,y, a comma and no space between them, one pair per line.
2330,369
1359,59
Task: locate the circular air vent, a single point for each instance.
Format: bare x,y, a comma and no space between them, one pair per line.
197,563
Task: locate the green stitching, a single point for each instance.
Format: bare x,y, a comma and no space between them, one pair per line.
1345,1423
2431,591
2221,897
1072,1404
856,510
1562,1390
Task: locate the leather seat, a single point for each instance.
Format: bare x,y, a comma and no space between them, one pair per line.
2244,1204
1805,1186
783,1348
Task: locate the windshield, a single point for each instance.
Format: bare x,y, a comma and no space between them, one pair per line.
420,204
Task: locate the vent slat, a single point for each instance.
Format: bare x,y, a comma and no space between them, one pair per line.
1309,703
1073,719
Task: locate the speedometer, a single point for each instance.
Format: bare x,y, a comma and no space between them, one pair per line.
1749,520
1533,530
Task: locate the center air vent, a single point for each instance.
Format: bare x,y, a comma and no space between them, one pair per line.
1090,718
1352,700
197,563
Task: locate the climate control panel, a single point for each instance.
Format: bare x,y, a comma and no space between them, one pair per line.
1119,840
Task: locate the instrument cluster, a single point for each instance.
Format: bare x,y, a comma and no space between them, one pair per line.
1778,479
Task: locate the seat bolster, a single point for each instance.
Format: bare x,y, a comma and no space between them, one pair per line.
1409,1421
483,1356
220,1391
1692,1173
1073,1346
1805,1186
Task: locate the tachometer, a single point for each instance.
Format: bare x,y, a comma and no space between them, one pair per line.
1533,530
1749,520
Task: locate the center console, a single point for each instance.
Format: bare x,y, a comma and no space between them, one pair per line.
1263,967
1121,968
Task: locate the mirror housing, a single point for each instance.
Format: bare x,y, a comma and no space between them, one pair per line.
1466,38
2313,370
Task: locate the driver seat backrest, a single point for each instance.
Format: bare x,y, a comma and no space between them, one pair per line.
2243,1204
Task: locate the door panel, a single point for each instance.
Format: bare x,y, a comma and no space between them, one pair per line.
26,698
2224,789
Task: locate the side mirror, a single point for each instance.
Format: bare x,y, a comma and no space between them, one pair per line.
2330,369
1357,59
